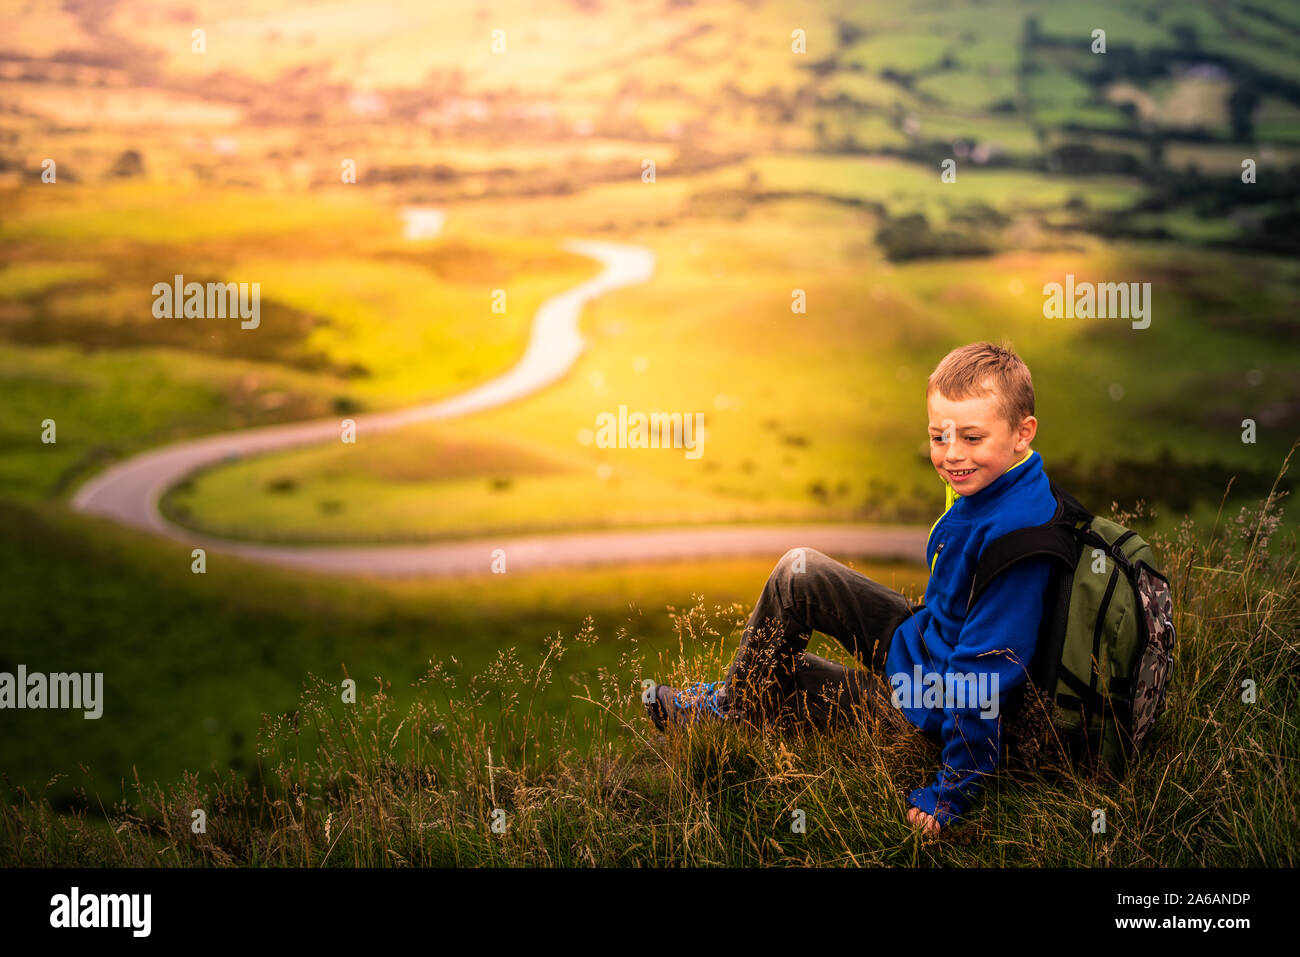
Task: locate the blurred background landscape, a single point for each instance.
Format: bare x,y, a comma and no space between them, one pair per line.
774,171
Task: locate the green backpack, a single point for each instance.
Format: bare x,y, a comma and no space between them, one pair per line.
1098,677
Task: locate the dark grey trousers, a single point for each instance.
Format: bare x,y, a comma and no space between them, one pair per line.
773,678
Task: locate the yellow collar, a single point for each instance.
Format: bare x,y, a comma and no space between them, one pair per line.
950,495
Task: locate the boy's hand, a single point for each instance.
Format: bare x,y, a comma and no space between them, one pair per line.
928,824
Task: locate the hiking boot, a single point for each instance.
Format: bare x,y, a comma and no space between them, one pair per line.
686,706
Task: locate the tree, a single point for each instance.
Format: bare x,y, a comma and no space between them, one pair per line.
128,164
1241,109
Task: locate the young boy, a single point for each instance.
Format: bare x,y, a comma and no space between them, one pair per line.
980,401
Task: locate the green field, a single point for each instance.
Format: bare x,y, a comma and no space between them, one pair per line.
192,663
800,424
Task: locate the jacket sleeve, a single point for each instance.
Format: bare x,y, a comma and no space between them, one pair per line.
996,643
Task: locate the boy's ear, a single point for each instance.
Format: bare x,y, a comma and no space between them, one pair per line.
1025,435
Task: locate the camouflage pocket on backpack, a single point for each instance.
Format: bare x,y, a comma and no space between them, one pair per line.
1153,671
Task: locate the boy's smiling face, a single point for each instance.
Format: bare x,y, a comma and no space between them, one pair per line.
971,441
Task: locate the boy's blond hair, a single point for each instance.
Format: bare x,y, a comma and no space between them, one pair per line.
982,369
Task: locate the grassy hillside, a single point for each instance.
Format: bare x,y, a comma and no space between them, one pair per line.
797,152
194,664
419,778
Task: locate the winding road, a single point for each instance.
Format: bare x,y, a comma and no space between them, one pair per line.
129,491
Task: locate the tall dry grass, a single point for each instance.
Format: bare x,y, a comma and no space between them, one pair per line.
369,785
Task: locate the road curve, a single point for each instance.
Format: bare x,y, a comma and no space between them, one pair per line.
129,491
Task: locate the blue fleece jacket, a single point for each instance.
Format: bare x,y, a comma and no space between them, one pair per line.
995,642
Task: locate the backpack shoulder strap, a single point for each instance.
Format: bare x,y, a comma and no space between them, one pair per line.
1069,509
1055,538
